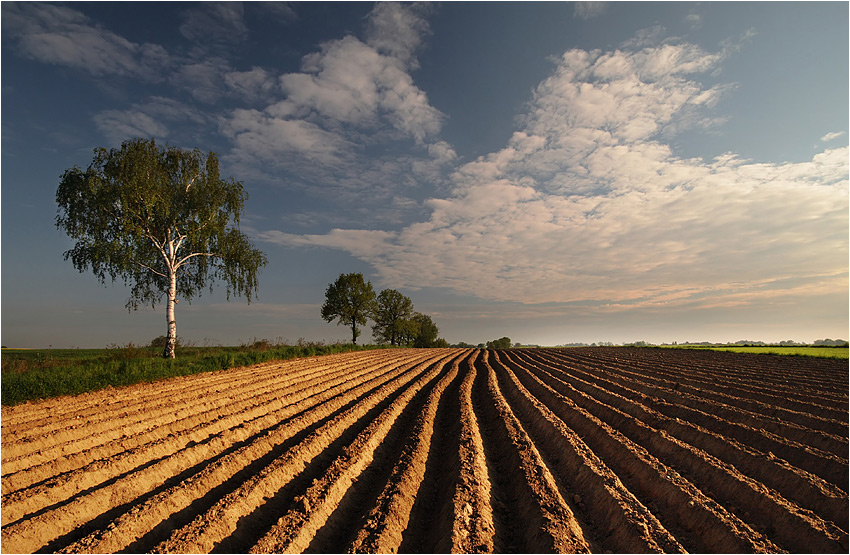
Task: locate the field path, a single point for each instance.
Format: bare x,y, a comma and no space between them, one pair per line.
442,450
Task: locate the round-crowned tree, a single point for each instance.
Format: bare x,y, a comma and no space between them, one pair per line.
161,219
350,300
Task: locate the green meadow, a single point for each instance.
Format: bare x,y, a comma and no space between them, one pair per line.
806,351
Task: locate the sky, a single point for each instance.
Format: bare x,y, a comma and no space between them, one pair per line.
552,172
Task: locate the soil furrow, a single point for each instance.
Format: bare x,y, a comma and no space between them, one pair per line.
212,527
296,530
247,406
381,529
693,518
473,528
603,449
428,530
190,428
202,399
790,400
797,529
821,380
796,485
530,515
189,498
675,405
100,471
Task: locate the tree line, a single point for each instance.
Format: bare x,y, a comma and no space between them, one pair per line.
164,220
351,301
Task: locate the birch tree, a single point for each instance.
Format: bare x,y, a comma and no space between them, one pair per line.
161,219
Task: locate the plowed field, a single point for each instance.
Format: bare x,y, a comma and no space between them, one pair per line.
549,450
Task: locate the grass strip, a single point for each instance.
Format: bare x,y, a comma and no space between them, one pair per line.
32,374
817,352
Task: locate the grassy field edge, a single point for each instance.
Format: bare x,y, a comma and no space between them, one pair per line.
34,374
837,352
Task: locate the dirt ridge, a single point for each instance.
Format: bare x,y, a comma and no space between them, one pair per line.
442,450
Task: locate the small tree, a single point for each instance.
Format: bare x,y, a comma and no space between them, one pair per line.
351,300
393,311
419,331
163,220
502,343
427,330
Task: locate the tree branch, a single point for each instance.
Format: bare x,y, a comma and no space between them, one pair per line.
146,267
185,258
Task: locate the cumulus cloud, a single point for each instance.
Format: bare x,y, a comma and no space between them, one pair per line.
587,202
397,30
352,83
59,35
337,123
348,94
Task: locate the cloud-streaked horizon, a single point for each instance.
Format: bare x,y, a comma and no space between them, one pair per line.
588,202
554,167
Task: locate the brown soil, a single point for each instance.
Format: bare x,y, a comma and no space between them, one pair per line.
442,450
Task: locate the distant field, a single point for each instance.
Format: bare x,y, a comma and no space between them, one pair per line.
819,352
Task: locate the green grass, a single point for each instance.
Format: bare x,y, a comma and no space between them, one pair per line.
31,374
818,352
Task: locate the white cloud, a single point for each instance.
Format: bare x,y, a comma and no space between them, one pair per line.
832,136
282,11
349,82
258,135
345,123
254,85
120,125
397,30
587,203
694,20
55,34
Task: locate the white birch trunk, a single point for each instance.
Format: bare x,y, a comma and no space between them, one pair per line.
171,340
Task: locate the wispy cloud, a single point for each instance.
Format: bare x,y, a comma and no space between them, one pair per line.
587,202
210,23
59,35
155,117
589,10
832,136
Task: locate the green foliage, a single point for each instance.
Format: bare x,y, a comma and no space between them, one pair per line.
503,343
425,330
392,316
350,300
31,374
818,352
155,216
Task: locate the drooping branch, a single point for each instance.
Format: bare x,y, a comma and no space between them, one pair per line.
146,267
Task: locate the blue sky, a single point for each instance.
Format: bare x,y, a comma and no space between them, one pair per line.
553,172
